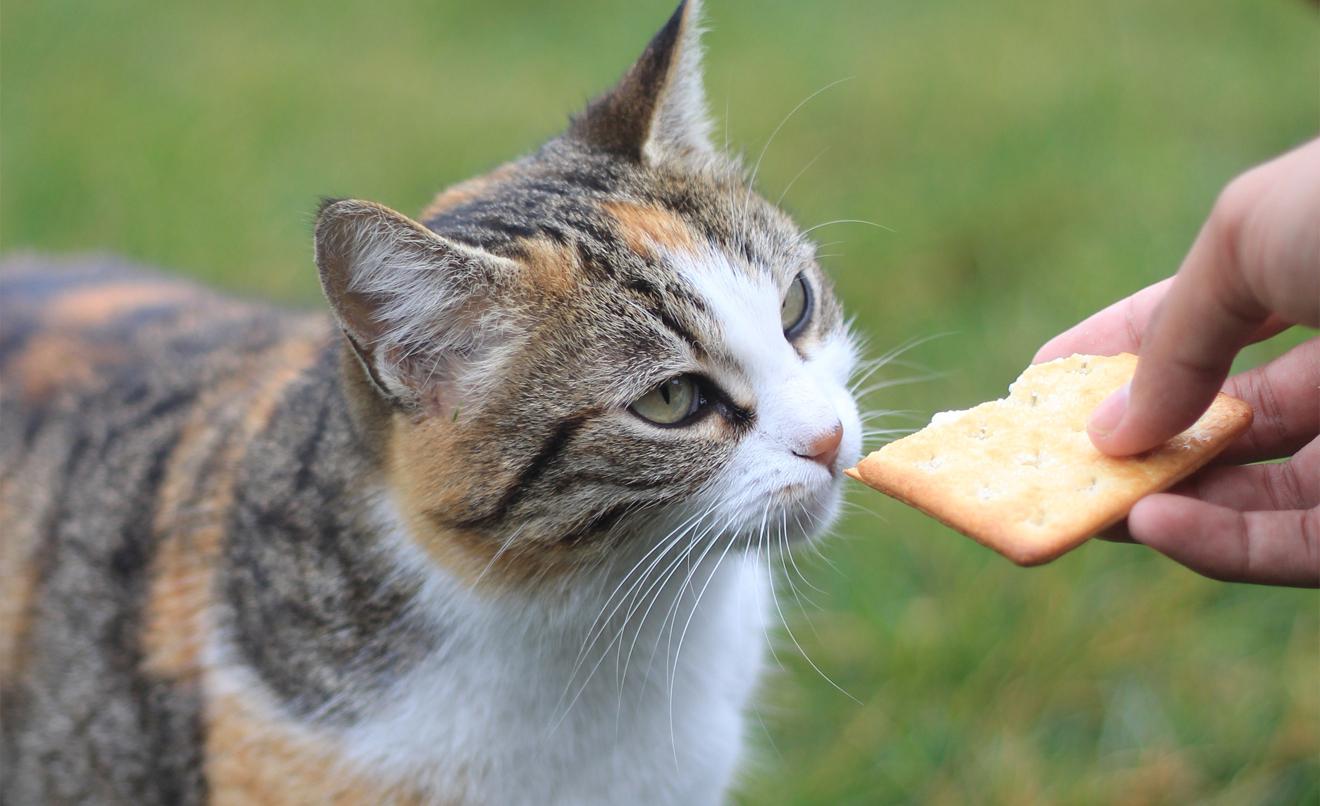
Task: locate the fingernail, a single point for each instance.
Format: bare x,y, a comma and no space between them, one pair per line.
1107,416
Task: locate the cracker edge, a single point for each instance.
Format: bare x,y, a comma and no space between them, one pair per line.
1239,412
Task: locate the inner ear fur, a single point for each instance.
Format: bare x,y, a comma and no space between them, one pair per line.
415,307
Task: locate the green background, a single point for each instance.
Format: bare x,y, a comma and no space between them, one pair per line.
1032,161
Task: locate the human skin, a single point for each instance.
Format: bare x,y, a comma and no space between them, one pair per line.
1252,272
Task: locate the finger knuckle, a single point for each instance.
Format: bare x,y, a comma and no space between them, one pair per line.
1131,325
1246,546
1269,411
1234,206
1310,530
1237,241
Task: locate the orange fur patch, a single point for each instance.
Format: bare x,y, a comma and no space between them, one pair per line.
552,268
645,228
98,305
466,191
252,758
428,481
55,360
16,590
181,579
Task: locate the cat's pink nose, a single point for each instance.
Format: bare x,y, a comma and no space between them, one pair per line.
824,448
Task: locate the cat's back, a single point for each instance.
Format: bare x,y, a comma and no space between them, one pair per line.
68,325
96,349
119,389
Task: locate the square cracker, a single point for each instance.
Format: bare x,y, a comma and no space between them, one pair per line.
1021,476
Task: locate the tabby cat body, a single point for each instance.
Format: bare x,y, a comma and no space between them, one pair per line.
495,532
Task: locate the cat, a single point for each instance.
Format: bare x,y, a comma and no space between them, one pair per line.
495,530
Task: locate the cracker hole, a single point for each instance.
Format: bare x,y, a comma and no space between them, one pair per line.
1038,519
987,493
1092,485
1030,459
1035,398
1085,368
933,463
981,433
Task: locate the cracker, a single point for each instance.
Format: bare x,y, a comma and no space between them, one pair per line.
1021,476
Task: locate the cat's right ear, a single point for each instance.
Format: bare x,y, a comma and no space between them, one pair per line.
416,308
657,110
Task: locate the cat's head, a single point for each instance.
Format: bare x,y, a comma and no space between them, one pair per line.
613,339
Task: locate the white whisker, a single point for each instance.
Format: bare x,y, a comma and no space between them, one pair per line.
892,382
757,167
798,175
831,223
805,656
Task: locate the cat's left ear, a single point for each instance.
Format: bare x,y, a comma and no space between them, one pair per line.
419,310
657,111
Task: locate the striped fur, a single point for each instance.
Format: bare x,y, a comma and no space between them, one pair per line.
380,556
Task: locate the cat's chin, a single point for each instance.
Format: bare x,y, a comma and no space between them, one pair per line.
814,512
791,516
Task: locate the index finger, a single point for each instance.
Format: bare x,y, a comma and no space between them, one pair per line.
1121,327
1255,255
1116,329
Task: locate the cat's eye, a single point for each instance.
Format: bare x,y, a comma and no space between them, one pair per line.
671,402
796,307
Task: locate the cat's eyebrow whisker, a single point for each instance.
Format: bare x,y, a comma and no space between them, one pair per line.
799,174
757,167
726,123
915,341
832,222
865,369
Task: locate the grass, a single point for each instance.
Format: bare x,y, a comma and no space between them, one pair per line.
1031,162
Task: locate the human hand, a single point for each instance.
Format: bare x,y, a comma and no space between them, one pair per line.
1252,272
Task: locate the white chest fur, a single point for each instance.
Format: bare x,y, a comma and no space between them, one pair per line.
512,710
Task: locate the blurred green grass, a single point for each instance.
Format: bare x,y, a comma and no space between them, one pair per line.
1031,161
